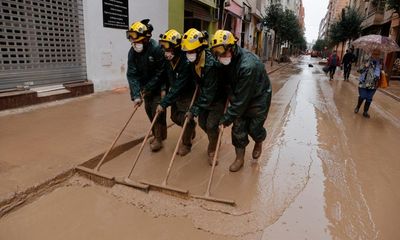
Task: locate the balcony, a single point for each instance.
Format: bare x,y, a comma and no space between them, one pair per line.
375,16
211,3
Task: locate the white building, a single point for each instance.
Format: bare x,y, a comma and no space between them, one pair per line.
107,48
58,42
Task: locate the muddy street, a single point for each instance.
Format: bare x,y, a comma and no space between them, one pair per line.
325,173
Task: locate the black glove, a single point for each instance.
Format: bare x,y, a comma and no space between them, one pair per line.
189,115
225,121
160,109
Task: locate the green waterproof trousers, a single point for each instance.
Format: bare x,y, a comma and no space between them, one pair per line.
251,123
151,101
178,111
209,119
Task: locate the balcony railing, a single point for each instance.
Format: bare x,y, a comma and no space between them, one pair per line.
376,7
211,3
258,5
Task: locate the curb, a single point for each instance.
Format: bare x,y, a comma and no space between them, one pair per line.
19,199
397,98
387,93
276,69
15,200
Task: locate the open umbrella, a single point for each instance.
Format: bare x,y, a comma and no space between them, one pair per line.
378,42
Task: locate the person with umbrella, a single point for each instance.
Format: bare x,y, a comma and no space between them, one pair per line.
371,71
369,78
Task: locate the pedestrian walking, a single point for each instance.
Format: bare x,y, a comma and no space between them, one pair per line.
333,62
348,60
250,95
209,105
146,76
368,82
182,86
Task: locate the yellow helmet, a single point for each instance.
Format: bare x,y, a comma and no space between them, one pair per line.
221,40
193,39
171,39
139,30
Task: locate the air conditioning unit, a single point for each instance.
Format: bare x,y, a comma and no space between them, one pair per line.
227,3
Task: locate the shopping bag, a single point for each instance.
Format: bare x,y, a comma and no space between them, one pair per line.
325,69
383,83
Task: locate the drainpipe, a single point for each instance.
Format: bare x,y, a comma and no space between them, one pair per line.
221,7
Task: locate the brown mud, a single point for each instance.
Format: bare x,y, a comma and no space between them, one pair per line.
325,173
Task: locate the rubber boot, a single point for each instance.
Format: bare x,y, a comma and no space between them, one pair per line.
156,145
212,145
239,161
184,149
164,132
194,133
366,108
257,150
360,101
186,144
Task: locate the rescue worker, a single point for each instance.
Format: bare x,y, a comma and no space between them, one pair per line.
209,105
250,95
146,76
182,86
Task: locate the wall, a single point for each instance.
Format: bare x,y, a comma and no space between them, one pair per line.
107,48
176,10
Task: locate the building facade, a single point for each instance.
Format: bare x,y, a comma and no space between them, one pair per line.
56,43
107,48
60,42
378,19
323,27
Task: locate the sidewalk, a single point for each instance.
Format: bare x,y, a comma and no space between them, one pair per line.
393,90
276,66
41,145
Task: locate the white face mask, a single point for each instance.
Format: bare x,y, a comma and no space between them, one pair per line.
191,56
225,60
138,47
169,56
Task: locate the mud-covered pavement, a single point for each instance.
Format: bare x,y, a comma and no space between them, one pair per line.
325,173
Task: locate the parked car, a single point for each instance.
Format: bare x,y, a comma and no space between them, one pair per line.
314,54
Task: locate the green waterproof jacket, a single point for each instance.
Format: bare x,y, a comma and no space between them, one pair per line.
250,87
146,70
211,88
180,80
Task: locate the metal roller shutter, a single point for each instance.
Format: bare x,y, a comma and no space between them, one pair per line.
198,10
41,42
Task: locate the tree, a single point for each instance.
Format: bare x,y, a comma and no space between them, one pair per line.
394,4
347,28
289,26
320,45
286,27
299,41
273,20
291,32
351,23
336,34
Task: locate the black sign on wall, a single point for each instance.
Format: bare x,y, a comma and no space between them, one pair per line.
115,14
